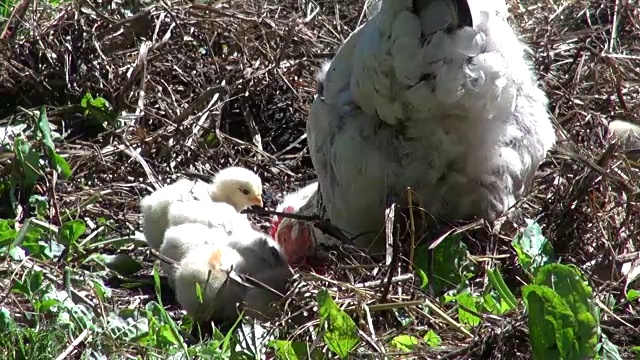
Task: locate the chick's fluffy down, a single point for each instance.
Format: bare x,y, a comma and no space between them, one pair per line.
208,265
260,302
211,214
180,239
155,206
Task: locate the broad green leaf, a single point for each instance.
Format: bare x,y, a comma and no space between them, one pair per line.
71,231
405,343
51,249
166,336
97,109
31,285
533,249
633,295
569,283
432,339
341,335
7,232
470,302
293,350
551,323
45,305
450,265
494,303
17,254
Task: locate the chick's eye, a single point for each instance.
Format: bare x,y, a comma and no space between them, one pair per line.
245,191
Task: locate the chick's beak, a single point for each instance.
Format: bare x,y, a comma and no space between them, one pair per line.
257,200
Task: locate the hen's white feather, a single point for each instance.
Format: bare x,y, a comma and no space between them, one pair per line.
409,100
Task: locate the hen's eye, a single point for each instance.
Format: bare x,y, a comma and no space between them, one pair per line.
245,191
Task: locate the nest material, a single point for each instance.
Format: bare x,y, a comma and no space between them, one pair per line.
208,86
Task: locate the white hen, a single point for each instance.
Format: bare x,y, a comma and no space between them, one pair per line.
435,95
236,186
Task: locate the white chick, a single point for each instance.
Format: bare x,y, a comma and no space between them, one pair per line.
208,266
236,186
180,239
212,214
259,302
250,253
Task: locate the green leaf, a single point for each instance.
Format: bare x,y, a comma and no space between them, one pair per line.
45,305
31,285
497,282
607,350
6,321
17,254
405,343
341,335
7,232
122,264
569,283
29,162
293,350
98,109
470,302
39,205
71,231
533,249
165,335
494,303
44,128
551,323
633,295
432,339
563,320
62,166
451,267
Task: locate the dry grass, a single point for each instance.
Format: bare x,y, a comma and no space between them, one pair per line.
242,75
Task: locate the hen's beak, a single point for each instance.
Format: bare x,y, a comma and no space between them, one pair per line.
257,200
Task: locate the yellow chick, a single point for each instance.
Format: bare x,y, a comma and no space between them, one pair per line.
236,186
